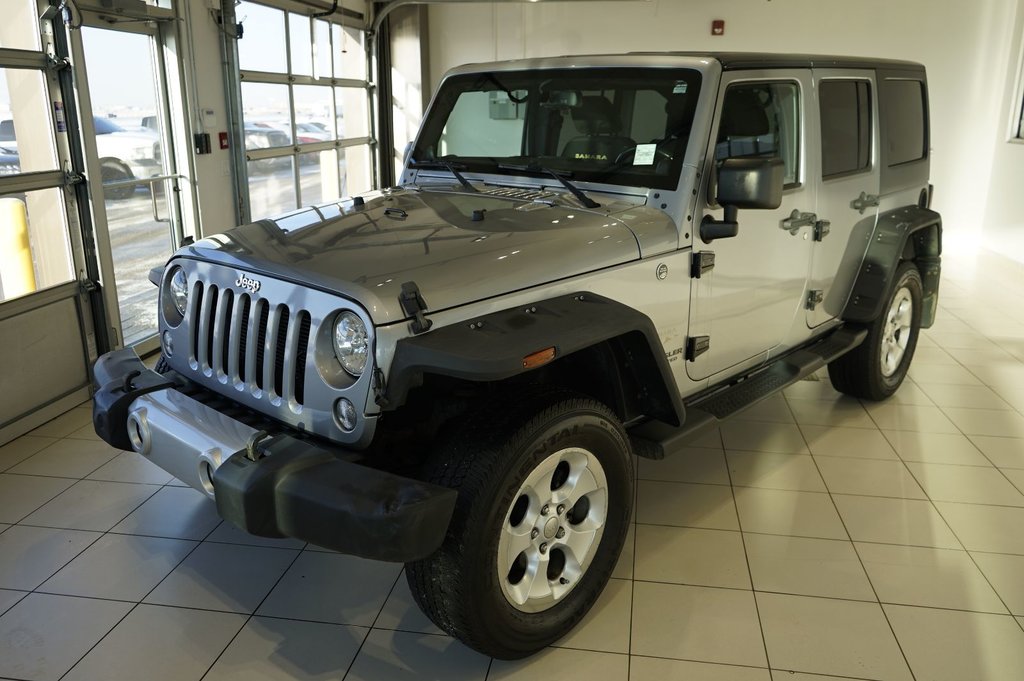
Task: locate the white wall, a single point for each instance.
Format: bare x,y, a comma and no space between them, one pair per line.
966,46
1003,229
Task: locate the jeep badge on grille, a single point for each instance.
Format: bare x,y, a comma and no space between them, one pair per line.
250,285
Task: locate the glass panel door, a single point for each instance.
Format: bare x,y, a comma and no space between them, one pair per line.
129,117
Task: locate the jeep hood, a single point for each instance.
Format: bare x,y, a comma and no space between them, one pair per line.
458,247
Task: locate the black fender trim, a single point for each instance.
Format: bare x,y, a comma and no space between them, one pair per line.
493,347
908,233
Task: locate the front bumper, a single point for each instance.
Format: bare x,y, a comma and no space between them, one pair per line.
280,486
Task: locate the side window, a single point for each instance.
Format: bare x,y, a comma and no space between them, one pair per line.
762,119
478,127
904,121
845,126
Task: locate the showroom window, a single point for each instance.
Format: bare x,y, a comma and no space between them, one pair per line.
762,120
305,109
845,126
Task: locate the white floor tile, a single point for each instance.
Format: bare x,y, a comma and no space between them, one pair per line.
285,650
606,627
657,669
784,438
174,512
937,578
558,663
1005,452
689,464
159,644
828,636
1006,574
18,450
986,528
684,555
869,477
947,645
43,635
28,555
91,505
20,495
685,505
846,412
397,656
893,416
696,623
948,448
798,514
809,567
895,521
858,443
774,471
67,459
968,484
993,422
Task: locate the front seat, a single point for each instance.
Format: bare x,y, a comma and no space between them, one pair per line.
744,129
602,138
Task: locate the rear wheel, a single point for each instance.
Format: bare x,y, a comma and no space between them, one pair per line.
545,497
113,170
876,368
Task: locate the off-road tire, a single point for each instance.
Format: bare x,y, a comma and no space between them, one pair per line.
457,587
859,373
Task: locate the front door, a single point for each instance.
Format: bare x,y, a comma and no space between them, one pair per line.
749,303
848,194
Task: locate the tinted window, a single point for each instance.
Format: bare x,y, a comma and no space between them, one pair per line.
904,121
761,120
845,126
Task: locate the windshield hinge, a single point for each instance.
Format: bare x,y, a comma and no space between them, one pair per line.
701,263
814,297
414,306
821,229
72,178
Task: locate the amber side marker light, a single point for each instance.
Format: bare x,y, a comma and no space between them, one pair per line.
538,358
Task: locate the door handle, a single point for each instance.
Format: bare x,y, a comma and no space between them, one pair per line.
796,220
863,202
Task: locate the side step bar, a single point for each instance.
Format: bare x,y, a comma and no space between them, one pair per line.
655,439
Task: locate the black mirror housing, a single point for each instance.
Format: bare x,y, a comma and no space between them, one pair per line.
751,182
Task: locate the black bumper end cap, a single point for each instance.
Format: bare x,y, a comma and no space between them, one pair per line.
310,494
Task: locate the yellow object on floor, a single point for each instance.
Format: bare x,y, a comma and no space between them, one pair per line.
17,276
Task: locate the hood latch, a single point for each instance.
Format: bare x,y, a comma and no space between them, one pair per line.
414,306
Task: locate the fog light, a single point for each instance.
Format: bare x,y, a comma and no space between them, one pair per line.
168,343
345,413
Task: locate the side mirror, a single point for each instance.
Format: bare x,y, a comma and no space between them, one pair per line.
744,183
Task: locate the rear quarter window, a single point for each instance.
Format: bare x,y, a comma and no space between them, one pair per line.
845,126
904,120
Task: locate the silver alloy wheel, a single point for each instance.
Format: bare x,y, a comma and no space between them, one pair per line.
896,333
552,529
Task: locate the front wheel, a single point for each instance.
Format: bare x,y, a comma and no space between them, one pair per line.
545,497
876,368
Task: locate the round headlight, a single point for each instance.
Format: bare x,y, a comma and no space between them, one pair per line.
178,289
351,345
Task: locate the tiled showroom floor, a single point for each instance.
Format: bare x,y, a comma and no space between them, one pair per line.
817,534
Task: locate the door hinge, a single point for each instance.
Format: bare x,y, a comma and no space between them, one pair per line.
55,63
863,202
821,229
814,297
697,346
701,263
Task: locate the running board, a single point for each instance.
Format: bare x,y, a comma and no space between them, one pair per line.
655,439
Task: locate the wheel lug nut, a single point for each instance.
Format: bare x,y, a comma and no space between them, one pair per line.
560,533
561,509
543,548
545,510
534,533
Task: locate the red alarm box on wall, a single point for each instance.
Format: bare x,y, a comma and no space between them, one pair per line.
718,27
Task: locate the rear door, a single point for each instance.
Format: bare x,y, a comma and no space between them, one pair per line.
847,206
748,304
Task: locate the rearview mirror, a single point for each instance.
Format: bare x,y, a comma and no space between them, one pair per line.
744,183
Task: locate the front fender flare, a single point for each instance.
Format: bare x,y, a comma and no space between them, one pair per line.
492,347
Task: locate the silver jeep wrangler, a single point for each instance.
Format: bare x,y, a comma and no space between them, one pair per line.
585,258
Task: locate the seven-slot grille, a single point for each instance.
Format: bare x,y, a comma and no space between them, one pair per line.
246,340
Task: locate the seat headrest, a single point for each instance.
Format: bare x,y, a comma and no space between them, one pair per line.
743,115
596,116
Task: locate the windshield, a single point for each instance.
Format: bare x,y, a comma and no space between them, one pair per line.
625,126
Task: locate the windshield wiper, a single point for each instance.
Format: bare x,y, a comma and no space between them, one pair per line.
450,167
534,168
